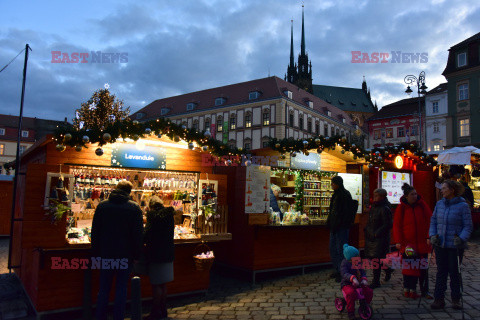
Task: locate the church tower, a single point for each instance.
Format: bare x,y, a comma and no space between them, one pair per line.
300,75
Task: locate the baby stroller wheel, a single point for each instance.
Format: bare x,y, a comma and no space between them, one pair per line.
340,304
365,311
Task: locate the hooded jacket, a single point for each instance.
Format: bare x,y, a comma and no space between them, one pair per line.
451,217
339,216
117,228
159,233
411,223
377,230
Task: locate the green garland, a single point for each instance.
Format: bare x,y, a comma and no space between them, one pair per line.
298,192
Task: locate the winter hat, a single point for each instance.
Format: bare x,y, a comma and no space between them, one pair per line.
337,180
349,252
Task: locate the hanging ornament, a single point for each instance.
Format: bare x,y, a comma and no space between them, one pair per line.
190,146
184,127
228,162
306,152
353,145
240,149
86,139
370,165
107,137
67,137
319,150
293,154
355,157
343,151
78,148
205,148
136,137
305,143
159,136
377,153
207,134
176,139
277,145
318,141
327,138
60,147
283,157
99,152
148,130
135,122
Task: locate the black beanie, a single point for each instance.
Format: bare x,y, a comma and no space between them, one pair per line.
338,181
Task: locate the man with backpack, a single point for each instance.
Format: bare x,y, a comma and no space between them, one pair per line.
339,222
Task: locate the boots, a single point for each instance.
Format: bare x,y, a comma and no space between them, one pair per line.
438,304
388,274
456,304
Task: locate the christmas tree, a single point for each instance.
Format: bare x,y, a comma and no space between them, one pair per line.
100,111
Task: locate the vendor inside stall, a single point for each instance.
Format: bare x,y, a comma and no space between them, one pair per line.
274,193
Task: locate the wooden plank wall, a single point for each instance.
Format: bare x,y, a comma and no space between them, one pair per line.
6,193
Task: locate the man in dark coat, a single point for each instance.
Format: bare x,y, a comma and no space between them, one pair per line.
117,240
338,221
377,233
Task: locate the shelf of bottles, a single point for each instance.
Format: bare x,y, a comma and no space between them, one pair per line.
316,193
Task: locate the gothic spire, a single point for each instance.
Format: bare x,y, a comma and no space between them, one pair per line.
291,47
364,84
302,52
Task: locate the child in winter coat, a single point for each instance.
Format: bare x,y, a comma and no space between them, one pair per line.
353,277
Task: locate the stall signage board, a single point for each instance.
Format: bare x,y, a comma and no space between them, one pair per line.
353,183
257,189
392,182
301,161
225,132
129,156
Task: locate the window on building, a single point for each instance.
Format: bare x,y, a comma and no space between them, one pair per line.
389,133
219,125
309,126
232,143
195,125
22,149
207,124
436,147
2,149
233,122
436,127
291,116
325,131
247,145
464,127
435,107
300,122
248,120
310,104
164,111
317,128
332,131
190,106
266,117
288,94
264,144
219,101
461,59
329,113
377,134
413,130
401,132
24,133
253,95
463,91
2,131
337,132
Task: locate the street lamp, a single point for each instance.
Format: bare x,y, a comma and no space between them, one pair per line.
421,90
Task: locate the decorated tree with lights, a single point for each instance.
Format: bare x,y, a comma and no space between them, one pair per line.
100,111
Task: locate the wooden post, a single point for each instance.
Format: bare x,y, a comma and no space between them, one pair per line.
136,299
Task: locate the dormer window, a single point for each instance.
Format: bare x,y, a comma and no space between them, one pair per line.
344,120
164,111
140,115
191,106
288,93
253,95
329,113
461,59
220,101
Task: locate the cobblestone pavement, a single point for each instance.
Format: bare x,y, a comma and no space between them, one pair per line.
311,296
3,255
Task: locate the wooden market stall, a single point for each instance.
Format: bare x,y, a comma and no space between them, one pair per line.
37,242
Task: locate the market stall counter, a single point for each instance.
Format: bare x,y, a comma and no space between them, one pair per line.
56,200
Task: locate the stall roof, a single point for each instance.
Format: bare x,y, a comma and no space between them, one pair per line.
457,155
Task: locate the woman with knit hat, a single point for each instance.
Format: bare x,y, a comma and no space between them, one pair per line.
353,277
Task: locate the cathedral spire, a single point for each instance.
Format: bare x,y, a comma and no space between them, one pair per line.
292,62
364,85
302,52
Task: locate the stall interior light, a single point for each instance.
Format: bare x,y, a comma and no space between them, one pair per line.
117,169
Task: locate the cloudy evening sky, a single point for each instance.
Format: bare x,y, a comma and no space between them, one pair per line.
176,47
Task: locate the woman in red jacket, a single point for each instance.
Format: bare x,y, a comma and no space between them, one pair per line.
411,223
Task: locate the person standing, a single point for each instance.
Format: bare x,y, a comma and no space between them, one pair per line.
377,233
450,228
160,253
338,222
117,232
410,227
274,193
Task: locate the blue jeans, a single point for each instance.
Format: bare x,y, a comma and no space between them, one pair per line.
337,239
106,279
447,264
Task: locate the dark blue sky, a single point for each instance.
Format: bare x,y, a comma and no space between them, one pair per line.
174,47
